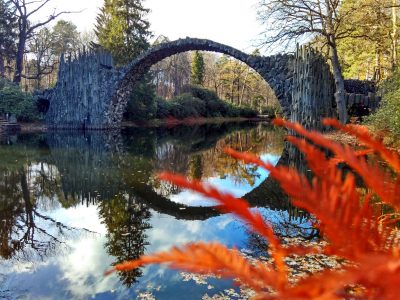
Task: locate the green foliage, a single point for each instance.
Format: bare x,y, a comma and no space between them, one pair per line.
142,104
387,117
14,101
8,28
367,52
272,110
198,68
122,29
203,93
200,102
65,37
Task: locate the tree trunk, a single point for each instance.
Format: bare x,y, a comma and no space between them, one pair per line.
394,33
378,52
339,83
19,59
2,67
38,74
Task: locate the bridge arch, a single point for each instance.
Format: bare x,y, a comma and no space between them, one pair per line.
92,94
274,69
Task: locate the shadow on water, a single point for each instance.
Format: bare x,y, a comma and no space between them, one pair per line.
116,172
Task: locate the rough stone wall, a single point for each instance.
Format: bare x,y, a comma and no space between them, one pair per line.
92,94
312,89
82,95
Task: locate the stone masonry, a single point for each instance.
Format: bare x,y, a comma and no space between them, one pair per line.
92,94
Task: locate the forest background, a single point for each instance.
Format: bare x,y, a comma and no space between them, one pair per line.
358,37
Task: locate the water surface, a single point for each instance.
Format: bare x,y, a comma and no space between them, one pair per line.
72,204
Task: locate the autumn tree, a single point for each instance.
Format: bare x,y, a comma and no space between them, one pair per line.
290,21
237,83
24,12
7,34
172,74
198,68
373,54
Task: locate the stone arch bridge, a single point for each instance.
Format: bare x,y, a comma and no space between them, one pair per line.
92,94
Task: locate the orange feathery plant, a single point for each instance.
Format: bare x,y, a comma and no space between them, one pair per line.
349,221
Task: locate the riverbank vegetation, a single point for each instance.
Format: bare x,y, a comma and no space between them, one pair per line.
359,38
238,90
386,121
15,102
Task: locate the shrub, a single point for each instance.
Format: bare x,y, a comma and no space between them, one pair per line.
163,108
348,219
272,111
15,102
203,94
218,108
190,106
200,102
387,117
142,104
247,112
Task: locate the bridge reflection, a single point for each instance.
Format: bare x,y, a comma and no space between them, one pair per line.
116,173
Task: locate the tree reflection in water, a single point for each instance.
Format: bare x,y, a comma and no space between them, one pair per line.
126,222
116,173
26,233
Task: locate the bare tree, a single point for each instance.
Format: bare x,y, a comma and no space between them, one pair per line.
24,10
299,20
44,59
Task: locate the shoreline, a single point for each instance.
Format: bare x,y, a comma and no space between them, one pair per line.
40,127
171,122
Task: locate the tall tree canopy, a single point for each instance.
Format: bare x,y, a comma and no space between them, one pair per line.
198,68
373,54
8,27
301,20
65,37
122,29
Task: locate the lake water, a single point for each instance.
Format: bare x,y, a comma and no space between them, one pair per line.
73,204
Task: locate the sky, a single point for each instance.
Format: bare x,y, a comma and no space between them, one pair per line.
231,22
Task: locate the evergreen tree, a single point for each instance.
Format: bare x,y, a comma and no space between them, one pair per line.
7,35
65,37
122,29
198,68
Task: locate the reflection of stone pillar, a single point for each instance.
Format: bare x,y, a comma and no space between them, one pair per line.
82,161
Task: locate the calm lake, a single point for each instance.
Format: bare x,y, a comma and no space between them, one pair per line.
73,204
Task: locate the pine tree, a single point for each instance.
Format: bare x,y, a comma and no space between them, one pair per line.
198,68
7,35
122,29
